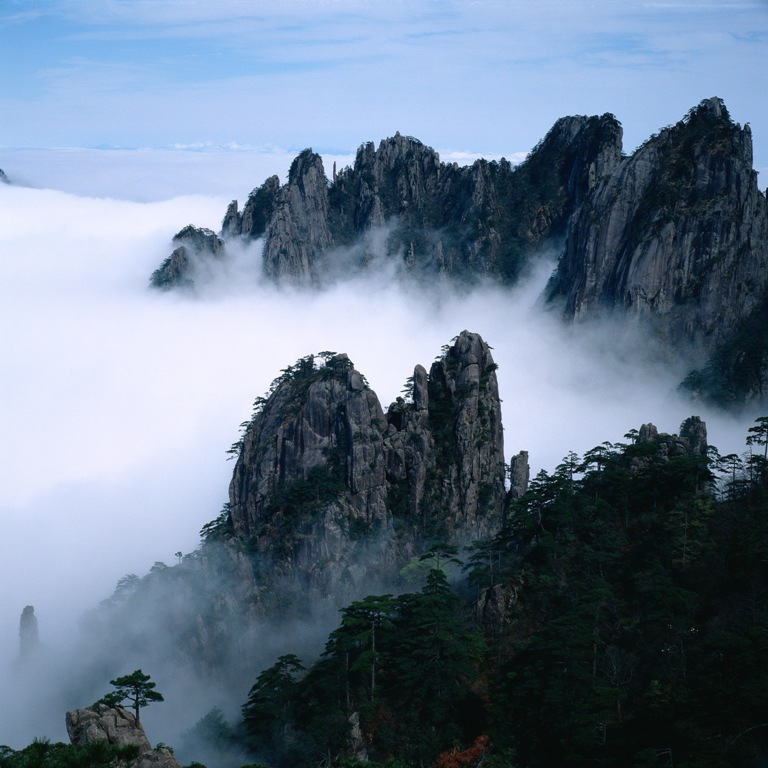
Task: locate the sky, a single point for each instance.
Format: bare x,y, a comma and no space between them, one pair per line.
121,121
484,77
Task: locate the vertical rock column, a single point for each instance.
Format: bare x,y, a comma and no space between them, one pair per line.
28,632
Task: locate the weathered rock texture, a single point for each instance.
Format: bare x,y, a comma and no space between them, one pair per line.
118,727
692,440
330,498
677,236
445,461
399,203
297,234
194,246
309,488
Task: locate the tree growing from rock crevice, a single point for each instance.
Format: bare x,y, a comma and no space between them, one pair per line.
137,688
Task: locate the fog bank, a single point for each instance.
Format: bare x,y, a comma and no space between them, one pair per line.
119,403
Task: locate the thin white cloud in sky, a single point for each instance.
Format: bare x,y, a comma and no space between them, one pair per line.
482,76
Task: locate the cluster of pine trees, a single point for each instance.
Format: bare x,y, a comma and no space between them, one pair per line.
619,619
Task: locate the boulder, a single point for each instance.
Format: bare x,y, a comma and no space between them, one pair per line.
118,727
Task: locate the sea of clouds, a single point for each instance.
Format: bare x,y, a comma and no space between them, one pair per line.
118,403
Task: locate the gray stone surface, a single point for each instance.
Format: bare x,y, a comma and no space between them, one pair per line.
116,726
676,235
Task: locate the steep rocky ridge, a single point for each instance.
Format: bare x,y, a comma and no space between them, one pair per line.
252,222
676,236
330,498
327,486
400,203
3,178
297,234
673,237
446,450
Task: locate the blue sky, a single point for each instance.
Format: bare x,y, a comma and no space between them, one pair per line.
487,76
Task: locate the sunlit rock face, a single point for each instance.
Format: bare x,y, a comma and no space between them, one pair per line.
677,234
118,727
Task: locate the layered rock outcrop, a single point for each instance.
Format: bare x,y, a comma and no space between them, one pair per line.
118,727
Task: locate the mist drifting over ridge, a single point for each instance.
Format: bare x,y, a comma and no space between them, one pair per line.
119,404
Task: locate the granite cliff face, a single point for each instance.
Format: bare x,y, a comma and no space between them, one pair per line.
676,236
336,494
308,489
445,460
399,203
330,498
297,234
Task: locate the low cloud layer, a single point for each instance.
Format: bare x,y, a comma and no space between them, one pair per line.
118,403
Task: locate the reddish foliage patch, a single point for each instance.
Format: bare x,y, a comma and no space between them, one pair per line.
466,758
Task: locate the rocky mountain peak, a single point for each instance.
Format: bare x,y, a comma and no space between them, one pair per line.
305,169
399,203
677,234
445,460
323,477
297,233
195,248
308,489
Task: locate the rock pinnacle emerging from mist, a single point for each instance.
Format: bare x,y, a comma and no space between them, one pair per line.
28,632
